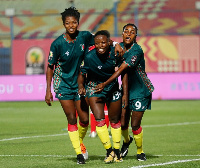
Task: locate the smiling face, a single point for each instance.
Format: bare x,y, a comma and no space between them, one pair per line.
129,34
102,44
71,24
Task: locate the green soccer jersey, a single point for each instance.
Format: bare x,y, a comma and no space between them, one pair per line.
98,69
67,58
139,84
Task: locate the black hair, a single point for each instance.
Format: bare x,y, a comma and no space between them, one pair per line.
103,32
71,11
134,26
131,24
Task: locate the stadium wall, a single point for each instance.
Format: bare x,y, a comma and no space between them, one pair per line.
162,54
168,86
172,63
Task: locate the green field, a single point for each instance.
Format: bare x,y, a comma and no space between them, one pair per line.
33,135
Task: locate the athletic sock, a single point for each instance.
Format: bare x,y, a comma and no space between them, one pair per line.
74,137
138,136
109,150
125,134
82,129
116,134
103,134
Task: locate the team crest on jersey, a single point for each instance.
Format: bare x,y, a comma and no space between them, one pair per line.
133,59
82,47
50,55
82,63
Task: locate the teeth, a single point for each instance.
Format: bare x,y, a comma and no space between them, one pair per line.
101,50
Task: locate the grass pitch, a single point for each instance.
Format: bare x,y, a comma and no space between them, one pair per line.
33,135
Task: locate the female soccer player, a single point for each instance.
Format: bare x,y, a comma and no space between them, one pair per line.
139,86
99,65
66,55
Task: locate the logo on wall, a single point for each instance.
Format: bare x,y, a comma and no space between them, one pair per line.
35,61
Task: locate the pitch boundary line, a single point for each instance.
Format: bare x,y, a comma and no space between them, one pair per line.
37,156
144,126
37,136
171,124
141,166
167,163
75,155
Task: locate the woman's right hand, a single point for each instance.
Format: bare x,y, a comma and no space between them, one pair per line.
48,98
99,87
81,90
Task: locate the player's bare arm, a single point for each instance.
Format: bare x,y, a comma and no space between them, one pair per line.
117,73
124,78
49,75
81,88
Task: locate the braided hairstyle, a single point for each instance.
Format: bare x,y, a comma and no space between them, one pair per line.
135,27
71,11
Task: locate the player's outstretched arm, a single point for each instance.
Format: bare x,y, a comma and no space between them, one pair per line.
117,73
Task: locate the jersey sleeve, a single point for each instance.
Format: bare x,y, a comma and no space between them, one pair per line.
89,41
85,67
133,57
53,54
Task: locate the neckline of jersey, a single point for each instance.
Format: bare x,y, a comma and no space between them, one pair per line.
129,48
68,40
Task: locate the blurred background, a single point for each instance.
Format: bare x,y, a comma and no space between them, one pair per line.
169,33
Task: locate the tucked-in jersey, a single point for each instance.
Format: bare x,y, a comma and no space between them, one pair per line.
98,69
67,58
139,85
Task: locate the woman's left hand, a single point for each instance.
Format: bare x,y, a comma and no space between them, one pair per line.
119,50
124,101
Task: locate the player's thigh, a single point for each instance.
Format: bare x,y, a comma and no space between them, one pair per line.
82,110
69,109
125,117
114,111
97,107
136,118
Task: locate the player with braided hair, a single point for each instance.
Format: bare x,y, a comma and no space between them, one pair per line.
65,57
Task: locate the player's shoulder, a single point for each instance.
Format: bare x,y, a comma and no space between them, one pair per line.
84,33
137,47
90,54
112,50
58,40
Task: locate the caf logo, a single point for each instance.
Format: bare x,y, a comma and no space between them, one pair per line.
35,61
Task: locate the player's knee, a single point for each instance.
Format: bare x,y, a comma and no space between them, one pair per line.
114,119
135,127
71,119
124,125
115,125
84,123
